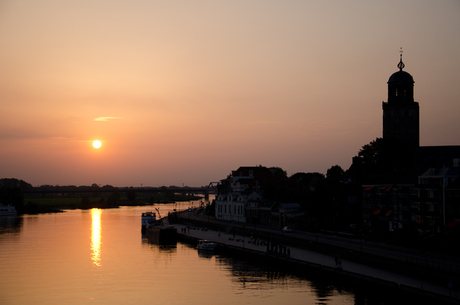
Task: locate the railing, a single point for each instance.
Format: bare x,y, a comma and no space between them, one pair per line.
435,264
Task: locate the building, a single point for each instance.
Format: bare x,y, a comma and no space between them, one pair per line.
240,198
452,199
401,112
260,211
418,192
387,207
232,205
241,190
287,214
437,204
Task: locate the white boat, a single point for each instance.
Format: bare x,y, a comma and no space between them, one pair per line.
206,245
7,210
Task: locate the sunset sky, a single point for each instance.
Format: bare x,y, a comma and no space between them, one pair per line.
183,92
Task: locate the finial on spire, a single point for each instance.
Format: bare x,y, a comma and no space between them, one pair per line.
401,65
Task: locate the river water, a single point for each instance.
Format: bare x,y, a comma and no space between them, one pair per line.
99,257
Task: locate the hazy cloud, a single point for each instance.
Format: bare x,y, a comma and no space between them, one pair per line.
106,118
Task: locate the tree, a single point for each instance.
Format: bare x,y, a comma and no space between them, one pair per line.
85,202
307,179
11,192
372,153
12,195
321,205
13,182
112,200
387,160
278,172
131,195
335,173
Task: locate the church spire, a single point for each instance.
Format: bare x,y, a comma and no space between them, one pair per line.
401,113
401,65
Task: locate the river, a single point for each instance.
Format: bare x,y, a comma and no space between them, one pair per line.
98,256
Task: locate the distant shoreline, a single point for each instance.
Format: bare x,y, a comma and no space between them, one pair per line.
56,204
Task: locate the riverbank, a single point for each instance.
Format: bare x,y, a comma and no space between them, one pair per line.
56,204
426,268
302,261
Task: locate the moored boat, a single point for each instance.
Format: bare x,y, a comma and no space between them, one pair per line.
161,235
7,210
206,245
157,231
148,219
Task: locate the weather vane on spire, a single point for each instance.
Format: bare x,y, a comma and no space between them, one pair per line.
401,65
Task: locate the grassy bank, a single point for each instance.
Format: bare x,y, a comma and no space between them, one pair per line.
52,204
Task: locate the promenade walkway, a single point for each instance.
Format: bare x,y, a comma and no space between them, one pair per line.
323,260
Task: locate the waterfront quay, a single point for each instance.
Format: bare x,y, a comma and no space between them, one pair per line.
288,250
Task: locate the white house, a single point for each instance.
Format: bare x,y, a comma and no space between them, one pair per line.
230,206
243,184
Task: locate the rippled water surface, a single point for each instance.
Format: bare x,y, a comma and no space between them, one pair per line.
99,257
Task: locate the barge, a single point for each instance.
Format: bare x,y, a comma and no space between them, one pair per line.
156,231
148,219
162,235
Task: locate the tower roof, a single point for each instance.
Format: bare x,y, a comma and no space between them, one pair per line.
401,76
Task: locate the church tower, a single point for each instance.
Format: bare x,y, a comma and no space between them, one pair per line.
401,112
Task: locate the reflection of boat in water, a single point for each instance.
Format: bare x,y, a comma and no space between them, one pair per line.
8,210
206,245
148,218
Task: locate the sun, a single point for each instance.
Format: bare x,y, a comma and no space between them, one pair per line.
97,144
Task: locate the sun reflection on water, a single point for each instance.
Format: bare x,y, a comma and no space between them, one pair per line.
96,236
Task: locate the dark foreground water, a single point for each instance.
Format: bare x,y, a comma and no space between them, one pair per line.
99,257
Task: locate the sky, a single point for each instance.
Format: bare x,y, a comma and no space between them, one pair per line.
184,92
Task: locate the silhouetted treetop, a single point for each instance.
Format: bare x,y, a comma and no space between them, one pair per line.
278,172
13,182
335,173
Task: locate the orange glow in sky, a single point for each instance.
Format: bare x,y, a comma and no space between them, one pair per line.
183,92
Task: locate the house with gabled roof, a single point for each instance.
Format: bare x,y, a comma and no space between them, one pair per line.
240,199
242,187
230,206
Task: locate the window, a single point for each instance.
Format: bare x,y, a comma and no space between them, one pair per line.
352,199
